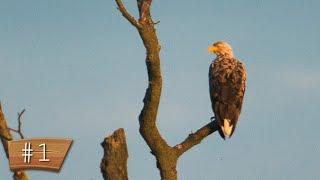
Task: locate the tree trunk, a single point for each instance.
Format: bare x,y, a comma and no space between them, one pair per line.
5,136
114,162
166,155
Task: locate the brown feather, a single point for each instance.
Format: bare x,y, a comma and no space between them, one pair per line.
227,83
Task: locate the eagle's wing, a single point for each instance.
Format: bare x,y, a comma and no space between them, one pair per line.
227,83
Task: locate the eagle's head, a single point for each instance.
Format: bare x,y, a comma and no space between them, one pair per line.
221,48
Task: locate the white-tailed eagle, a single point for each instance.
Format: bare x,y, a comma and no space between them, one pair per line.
227,84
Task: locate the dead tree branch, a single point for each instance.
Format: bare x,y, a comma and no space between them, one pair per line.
114,162
6,136
19,130
166,155
196,138
126,14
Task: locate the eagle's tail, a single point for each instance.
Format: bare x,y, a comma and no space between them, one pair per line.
226,128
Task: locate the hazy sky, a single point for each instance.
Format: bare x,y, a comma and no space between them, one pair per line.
78,69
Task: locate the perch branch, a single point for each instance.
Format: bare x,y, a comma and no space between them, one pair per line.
6,136
195,138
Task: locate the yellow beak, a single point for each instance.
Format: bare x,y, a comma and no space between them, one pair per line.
212,49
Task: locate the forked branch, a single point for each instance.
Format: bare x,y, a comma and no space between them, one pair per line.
19,130
126,14
166,155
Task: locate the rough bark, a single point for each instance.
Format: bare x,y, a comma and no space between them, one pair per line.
196,138
166,155
5,136
114,162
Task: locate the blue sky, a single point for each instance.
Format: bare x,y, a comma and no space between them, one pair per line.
78,69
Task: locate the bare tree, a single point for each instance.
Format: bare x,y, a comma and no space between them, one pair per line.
166,155
5,136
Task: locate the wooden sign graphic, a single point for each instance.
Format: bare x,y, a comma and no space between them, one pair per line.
38,153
